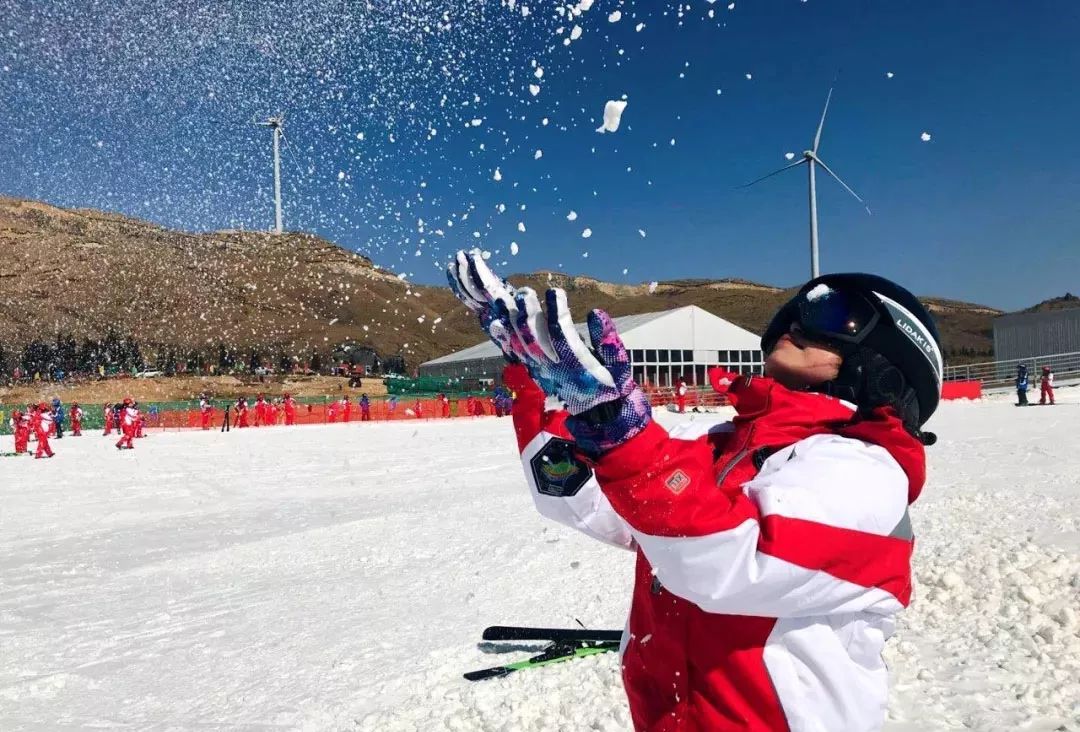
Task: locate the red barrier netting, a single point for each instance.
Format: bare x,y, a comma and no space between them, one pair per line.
382,411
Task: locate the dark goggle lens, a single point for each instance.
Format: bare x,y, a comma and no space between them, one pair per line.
835,313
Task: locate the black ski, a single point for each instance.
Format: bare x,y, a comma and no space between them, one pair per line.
579,635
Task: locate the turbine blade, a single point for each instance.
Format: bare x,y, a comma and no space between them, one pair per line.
775,172
821,125
847,188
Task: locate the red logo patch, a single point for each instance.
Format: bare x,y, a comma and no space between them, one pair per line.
677,482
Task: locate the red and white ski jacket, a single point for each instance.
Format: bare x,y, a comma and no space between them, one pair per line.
130,415
773,553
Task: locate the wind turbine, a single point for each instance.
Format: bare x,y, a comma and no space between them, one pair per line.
811,160
275,124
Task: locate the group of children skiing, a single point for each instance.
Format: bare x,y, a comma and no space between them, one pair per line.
43,422
1046,386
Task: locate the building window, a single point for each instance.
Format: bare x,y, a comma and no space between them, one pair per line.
676,355
637,356
699,376
650,356
757,357
688,356
663,356
747,356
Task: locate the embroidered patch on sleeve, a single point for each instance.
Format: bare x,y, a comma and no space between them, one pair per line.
677,482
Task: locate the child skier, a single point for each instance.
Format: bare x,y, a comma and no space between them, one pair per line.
288,404
42,422
680,395
76,420
1021,385
20,425
1047,385
58,418
129,423
110,418
773,552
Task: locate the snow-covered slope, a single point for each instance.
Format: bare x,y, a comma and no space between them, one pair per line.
339,577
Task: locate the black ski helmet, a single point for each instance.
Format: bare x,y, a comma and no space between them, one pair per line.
893,355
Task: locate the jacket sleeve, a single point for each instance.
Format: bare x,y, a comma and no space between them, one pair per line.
563,487
822,528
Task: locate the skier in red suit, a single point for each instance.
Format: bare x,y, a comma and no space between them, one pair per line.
140,423
1047,385
109,420
76,415
680,395
444,404
331,411
42,423
129,424
20,426
206,412
289,406
242,413
346,408
773,551
260,411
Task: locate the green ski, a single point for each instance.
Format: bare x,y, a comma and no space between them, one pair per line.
556,652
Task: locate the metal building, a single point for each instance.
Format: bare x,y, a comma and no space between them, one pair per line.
1027,335
663,346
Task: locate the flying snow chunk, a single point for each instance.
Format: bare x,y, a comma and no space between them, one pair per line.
534,89
538,154
625,270
615,17
889,74
925,137
613,112
818,292
642,232
789,156
749,77
639,27
521,226
586,233
341,175
652,286
572,216
498,174
575,33
514,248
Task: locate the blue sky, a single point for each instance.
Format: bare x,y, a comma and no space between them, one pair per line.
144,107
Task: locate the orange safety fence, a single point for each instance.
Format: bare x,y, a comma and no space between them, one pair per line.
332,413
382,411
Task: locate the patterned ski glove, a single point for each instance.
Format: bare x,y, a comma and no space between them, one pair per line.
607,408
481,290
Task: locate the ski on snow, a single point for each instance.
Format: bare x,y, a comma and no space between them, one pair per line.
514,632
564,644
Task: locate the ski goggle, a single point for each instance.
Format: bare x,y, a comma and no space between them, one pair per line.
826,314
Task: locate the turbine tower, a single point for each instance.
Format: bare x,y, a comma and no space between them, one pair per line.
811,159
275,124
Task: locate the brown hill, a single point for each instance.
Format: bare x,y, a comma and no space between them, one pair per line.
83,273
1068,301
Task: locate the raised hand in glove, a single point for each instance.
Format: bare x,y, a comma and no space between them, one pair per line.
481,290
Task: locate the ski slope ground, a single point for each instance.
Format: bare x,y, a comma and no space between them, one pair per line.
339,577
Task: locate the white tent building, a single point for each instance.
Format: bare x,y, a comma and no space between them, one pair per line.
663,346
